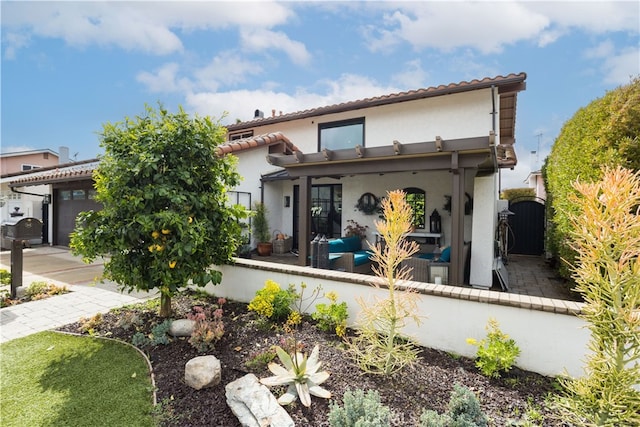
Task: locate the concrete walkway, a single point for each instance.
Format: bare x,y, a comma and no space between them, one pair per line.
59,266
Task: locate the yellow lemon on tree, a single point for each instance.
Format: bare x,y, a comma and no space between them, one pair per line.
172,264
155,234
159,248
190,219
151,248
165,231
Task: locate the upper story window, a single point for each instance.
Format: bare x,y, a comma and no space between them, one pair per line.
240,135
29,167
340,135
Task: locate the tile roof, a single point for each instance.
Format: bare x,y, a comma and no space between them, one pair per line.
256,141
84,170
505,84
59,173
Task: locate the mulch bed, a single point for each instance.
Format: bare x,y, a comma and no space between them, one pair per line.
518,398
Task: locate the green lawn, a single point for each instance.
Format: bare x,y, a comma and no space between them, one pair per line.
51,379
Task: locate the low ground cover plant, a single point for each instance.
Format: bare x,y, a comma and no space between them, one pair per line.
463,411
35,291
360,409
209,327
497,353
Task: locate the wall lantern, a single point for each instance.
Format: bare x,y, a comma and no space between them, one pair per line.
46,199
435,222
287,201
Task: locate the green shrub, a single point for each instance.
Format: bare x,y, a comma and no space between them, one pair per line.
605,132
5,277
140,340
159,336
360,410
496,353
607,241
332,316
463,411
160,333
273,303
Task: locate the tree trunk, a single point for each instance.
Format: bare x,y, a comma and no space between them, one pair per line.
165,304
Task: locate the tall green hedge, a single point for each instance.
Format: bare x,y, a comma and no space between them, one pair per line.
605,132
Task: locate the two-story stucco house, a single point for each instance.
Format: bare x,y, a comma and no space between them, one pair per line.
318,169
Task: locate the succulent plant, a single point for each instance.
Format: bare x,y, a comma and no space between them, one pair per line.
302,374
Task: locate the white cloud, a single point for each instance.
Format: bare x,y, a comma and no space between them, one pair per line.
149,27
601,50
489,26
227,68
446,26
260,39
412,76
241,104
621,67
595,17
164,79
618,65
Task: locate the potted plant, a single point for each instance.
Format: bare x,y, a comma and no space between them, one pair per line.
261,229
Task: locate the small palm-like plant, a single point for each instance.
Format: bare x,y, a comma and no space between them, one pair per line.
302,374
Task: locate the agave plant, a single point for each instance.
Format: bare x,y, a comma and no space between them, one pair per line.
302,375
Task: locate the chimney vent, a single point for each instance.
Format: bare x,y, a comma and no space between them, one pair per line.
63,155
258,114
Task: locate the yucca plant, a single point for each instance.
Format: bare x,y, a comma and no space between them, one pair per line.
302,374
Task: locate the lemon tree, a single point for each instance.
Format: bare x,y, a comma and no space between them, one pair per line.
165,217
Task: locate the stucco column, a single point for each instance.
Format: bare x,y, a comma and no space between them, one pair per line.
304,215
483,231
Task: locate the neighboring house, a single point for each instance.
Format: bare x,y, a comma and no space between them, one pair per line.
535,181
445,144
62,191
23,161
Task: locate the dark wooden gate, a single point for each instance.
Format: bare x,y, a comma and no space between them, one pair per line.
527,226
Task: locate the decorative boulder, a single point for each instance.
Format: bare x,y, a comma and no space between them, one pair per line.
202,371
182,328
254,404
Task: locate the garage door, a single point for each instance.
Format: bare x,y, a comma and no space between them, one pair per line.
68,203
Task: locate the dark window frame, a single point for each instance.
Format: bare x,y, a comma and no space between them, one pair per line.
417,221
338,124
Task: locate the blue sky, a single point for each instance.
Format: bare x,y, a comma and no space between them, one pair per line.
69,67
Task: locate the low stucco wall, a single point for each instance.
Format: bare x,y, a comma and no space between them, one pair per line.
552,339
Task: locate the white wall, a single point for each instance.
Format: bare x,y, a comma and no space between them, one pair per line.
452,116
550,343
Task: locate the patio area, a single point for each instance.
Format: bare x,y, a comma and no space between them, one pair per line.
528,275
